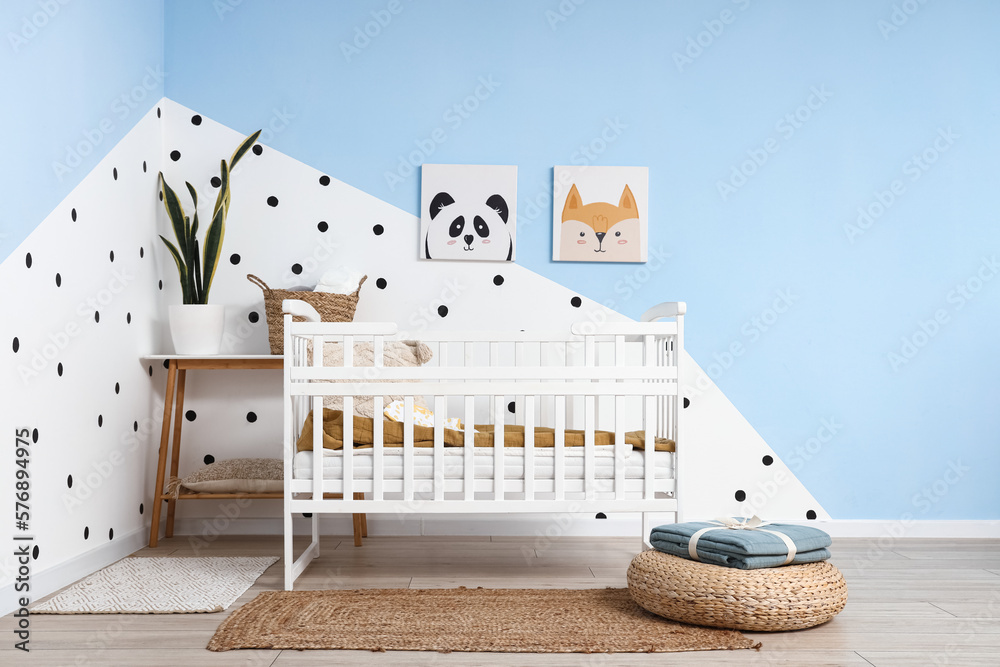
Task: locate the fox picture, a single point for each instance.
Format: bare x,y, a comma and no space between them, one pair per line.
600,231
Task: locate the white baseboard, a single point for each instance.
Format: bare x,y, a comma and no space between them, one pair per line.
54,577
585,525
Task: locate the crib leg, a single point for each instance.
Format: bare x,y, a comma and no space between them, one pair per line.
646,527
364,525
288,550
315,534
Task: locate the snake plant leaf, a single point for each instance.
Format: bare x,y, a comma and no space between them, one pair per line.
222,201
175,211
194,198
201,294
213,248
181,269
243,148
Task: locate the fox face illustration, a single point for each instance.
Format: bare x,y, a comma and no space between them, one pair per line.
600,231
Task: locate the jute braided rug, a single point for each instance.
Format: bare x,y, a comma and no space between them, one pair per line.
493,620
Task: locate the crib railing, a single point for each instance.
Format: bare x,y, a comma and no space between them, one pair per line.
594,377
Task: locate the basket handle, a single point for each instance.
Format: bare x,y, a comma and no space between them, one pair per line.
258,282
360,283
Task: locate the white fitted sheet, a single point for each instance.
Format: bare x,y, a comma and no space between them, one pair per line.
454,463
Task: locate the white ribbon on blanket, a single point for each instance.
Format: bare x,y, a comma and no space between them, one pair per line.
754,523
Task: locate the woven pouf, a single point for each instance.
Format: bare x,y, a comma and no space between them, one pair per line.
776,598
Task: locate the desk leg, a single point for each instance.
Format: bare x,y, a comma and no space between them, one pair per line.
168,404
175,453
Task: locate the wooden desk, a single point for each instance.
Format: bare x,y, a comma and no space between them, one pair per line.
173,405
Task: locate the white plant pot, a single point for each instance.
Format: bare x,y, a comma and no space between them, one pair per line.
196,329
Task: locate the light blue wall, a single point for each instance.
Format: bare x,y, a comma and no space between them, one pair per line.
555,86
76,77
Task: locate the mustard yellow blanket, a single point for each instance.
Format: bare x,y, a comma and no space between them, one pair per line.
423,436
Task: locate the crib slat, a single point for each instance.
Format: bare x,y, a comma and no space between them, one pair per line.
317,447
621,449
378,353
408,448
529,447
559,465
589,408
648,417
439,416
498,454
469,478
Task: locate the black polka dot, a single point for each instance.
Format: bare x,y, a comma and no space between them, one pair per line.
142,508
687,401
378,229
160,195
234,259
114,173
128,318
16,345
191,415
209,459
254,317
69,482
100,421
157,112
34,552
27,260
196,119
324,180
811,514
58,280
118,388
251,417
151,371
59,369
498,280
322,226
86,532
144,166
296,269
767,460
307,515
142,252
97,316
257,149
216,182
576,302
166,363
160,284
381,283
510,407
111,533
175,155
741,495
72,214
112,255
443,311
601,515
34,436
272,201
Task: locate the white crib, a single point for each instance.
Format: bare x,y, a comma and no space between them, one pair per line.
614,377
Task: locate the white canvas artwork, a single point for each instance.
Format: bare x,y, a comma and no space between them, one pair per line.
468,212
600,214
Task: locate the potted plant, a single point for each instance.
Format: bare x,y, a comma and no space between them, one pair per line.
196,326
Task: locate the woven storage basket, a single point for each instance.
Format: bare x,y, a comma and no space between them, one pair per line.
775,598
331,308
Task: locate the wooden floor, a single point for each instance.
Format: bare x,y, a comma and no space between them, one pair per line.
912,602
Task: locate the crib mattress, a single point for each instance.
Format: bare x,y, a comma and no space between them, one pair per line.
454,463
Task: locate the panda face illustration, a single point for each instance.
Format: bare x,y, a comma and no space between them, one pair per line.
468,230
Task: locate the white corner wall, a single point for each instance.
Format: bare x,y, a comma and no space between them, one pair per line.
80,302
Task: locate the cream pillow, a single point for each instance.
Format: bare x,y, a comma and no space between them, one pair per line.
237,476
395,354
421,416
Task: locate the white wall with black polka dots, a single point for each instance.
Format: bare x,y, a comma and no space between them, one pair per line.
81,302
289,223
85,296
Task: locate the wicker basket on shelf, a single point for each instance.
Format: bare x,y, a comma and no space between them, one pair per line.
331,308
776,598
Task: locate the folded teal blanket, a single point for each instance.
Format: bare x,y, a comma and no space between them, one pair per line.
743,549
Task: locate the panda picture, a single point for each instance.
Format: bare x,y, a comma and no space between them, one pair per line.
468,212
